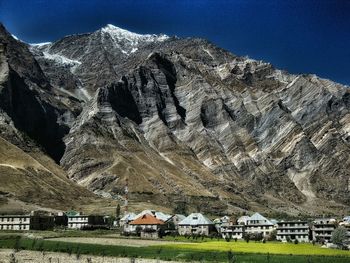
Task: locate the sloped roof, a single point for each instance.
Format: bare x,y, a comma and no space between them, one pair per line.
147,219
262,219
243,219
150,212
180,217
72,213
162,216
196,219
128,217
159,215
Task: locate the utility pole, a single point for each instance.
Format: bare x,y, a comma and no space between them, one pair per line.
126,196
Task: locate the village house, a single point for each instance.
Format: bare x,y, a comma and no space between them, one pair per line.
242,220
196,223
128,217
258,224
80,221
293,230
176,219
147,225
14,222
323,228
76,220
233,231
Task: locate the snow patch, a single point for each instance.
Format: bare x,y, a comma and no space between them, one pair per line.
133,40
40,44
62,60
15,37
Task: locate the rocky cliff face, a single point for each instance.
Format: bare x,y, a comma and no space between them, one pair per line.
34,118
185,121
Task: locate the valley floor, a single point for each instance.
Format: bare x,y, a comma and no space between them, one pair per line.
107,246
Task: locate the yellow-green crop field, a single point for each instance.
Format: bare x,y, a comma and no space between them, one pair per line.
264,248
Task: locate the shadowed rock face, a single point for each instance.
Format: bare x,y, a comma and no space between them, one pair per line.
183,120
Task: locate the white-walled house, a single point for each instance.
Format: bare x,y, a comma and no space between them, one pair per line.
232,231
258,224
293,230
126,219
14,222
242,220
196,223
148,225
76,220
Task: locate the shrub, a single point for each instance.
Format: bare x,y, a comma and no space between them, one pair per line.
339,235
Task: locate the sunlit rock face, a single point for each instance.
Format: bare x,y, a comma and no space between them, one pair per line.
184,120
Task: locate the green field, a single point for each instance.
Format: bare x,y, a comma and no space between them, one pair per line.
209,251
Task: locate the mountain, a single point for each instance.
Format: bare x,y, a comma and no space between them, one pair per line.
33,120
184,121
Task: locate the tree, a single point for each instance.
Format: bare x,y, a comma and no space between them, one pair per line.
230,257
272,236
117,212
246,237
180,207
339,235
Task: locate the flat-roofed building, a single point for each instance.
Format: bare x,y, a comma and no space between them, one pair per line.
293,230
76,220
14,222
323,228
232,231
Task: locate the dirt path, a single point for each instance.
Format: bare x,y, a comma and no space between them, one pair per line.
114,241
25,256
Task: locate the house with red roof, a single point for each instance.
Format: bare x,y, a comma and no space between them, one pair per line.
147,225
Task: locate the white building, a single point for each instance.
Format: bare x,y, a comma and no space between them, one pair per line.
14,222
148,225
176,219
242,220
76,220
126,219
293,230
323,228
232,231
257,224
196,223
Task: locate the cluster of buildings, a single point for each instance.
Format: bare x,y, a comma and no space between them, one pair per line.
35,221
150,223
154,224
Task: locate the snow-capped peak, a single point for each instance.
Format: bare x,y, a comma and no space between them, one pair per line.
130,41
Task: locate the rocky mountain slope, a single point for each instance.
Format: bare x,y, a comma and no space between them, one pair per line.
33,121
185,121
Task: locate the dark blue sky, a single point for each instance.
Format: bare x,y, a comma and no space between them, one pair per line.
297,35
